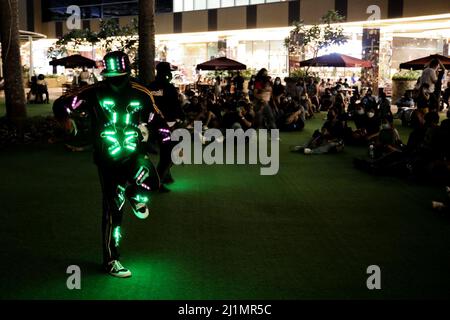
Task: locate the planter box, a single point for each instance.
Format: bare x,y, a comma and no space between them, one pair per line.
399,87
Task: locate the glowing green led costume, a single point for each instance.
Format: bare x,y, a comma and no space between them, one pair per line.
121,113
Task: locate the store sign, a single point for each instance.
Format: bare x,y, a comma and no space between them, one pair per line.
74,21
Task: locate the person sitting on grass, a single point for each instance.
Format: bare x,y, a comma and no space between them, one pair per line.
327,140
369,101
326,100
307,105
359,135
193,110
291,116
406,101
385,153
384,106
355,100
372,124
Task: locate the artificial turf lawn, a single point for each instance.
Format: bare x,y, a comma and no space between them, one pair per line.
224,232
32,109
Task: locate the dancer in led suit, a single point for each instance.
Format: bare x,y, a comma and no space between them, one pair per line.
123,114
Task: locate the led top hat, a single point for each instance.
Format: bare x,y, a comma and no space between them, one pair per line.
116,64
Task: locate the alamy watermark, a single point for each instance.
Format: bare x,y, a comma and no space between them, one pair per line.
228,149
74,280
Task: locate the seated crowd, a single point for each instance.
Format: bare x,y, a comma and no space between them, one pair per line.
359,119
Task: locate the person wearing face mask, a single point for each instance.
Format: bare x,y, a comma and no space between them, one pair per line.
372,124
306,105
388,137
278,89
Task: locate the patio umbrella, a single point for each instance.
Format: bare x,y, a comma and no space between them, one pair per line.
74,61
222,63
336,60
419,64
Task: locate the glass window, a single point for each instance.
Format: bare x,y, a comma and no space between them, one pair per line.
164,6
188,5
125,9
242,2
227,3
199,4
212,4
177,5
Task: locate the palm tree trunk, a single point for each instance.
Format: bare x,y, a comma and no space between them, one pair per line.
12,68
146,53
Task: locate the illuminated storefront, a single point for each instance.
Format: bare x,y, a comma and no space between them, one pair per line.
253,31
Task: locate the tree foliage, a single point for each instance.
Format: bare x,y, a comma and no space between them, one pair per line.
112,36
316,37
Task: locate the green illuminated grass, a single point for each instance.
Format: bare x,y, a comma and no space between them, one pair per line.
33,110
224,232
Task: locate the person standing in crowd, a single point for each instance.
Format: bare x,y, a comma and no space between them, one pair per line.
238,84
430,74
322,87
166,97
251,87
228,83
217,87
263,93
353,79
313,93
84,77
368,101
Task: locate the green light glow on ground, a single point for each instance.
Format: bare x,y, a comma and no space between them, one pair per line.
224,232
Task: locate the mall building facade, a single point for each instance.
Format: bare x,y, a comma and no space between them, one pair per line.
253,31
